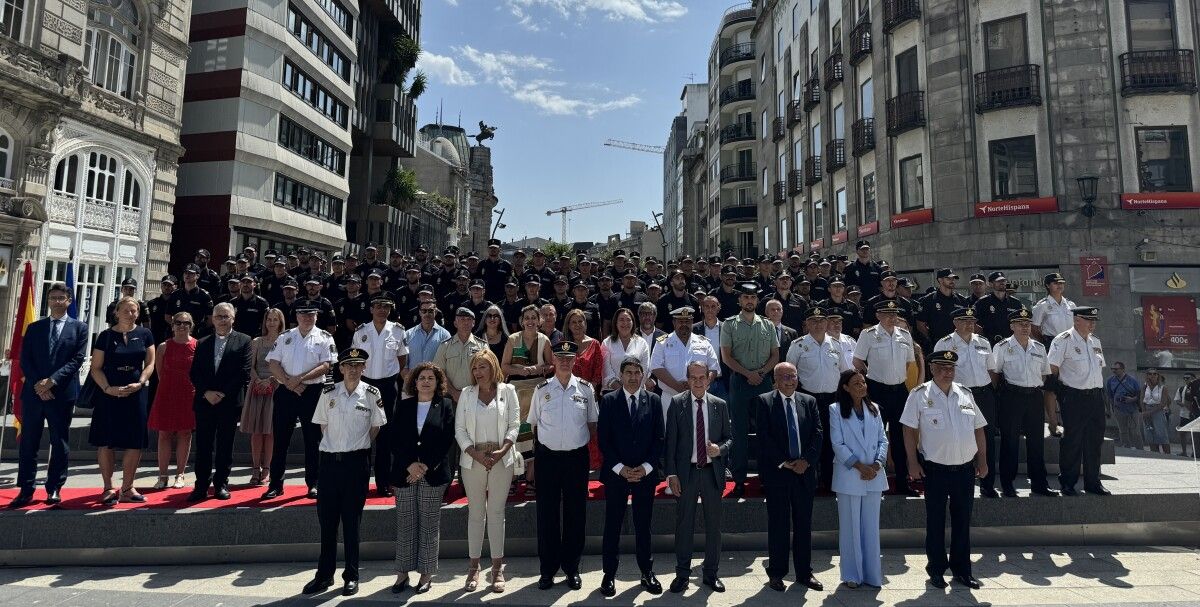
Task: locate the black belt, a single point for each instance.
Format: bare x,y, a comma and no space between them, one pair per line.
345,455
1087,391
896,387
943,467
1022,389
702,467
976,389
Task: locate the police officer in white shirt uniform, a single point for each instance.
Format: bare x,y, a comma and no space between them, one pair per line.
835,322
1077,357
1021,361
972,373
882,353
386,344
563,413
300,359
943,425
1051,316
819,365
670,356
350,414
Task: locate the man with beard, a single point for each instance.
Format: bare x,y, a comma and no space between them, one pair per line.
252,264
750,348
370,261
302,267
936,317
334,286
794,306
269,257
630,296
193,300
819,286
978,288
727,294
460,295
713,280
542,271
313,299
494,271
865,273
617,271
249,308
992,310
851,312
679,296
395,275
230,290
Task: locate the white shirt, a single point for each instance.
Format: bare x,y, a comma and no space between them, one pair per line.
973,359
673,356
887,354
946,423
818,365
615,352
299,354
707,422
645,465
384,347
422,413
1053,317
1152,395
561,414
1024,367
713,335
1080,362
848,344
348,417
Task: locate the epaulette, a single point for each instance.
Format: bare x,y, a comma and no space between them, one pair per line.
583,382
946,338
328,387
664,336
542,385
373,390
903,330
325,333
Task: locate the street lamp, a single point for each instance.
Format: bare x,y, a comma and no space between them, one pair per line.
1087,191
499,225
662,233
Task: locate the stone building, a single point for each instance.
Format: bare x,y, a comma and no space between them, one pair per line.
680,204
483,197
90,103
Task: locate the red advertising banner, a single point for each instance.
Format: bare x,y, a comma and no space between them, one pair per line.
1169,322
839,237
912,218
1157,201
1094,271
816,245
867,229
798,248
1019,206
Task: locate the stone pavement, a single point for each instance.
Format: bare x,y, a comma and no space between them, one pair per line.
1019,576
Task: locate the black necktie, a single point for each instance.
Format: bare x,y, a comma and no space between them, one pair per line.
54,333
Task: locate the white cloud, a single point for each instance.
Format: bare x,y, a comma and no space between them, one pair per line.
444,69
645,11
452,2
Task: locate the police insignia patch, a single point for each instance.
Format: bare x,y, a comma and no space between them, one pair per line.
365,338
287,342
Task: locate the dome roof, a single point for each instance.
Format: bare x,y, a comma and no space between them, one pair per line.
442,147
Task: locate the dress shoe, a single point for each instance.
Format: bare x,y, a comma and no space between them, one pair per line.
312,493
222,493
1045,492
715,583
968,581
1069,491
812,583
350,588
776,584
574,582
1097,490
679,584
384,492
24,498
52,497
199,494
988,492
608,586
423,588
400,586
739,491
272,493
937,581
910,492
545,582
650,583
317,585
1009,492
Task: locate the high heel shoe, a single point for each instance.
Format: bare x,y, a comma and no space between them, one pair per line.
472,579
161,484
109,497
256,477
130,495
498,579
180,481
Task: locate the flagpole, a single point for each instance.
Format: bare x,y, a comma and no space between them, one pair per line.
8,394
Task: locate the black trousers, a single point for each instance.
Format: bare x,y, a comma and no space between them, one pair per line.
290,407
1021,412
616,494
341,495
36,414
985,398
890,398
825,467
383,442
215,428
1083,434
698,482
562,480
956,485
789,522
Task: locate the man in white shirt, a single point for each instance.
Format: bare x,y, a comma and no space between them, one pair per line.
1077,357
710,328
1021,361
972,373
1051,316
386,344
883,352
669,358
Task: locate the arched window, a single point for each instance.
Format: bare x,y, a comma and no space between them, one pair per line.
112,43
6,150
99,174
12,15
101,178
131,195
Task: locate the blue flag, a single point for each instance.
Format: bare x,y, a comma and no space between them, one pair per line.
73,309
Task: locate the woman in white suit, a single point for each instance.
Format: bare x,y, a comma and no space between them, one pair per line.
860,448
486,425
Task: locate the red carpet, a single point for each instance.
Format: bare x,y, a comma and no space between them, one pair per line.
293,495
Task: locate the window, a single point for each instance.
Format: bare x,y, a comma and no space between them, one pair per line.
1014,167
797,153
783,233
1163,163
783,164
814,64
781,104
105,178
300,197
66,175
912,188
762,68
1004,43
818,220
101,178
816,139
316,95
766,126
870,212
766,238
112,44
316,42
303,142
131,196
780,43
835,36
340,15
799,226
796,85
866,99
840,211
796,19
766,188
839,122
6,151
812,5
907,76
11,18
1151,25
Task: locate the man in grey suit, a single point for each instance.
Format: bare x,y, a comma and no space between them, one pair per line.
695,465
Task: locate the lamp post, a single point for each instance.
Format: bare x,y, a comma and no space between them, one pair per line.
1087,191
662,234
498,225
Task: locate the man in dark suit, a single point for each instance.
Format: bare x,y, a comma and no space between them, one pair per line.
774,313
695,467
220,372
630,435
789,444
51,353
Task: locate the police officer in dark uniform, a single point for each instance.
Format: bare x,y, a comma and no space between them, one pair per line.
993,309
605,299
560,297
289,302
978,288
406,295
249,308
334,285
370,261
272,286
268,262
591,310
679,295
193,300
444,281
459,296
159,309
512,303
494,271
128,289
936,318
206,278
542,270
301,256
229,291
851,312
254,266
374,288
727,294
533,289
887,292
348,310
326,319
631,295
864,273
477,302
395,275
794,306
820,285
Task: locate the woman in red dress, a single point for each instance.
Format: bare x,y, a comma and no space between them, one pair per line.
171,414
589,366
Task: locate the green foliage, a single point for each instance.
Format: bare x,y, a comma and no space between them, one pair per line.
399,188
402,57
444,202
417,88
554,249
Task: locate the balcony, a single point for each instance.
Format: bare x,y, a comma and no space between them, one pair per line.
737,53
1015,86
835,155
395,122
742,91
778,129
860,42
812,93
862,135
780,191
897,12
739,172
834,70
738,131
795,114
905,112
742,213
404,12
743,11
795,182
812,170
1153,72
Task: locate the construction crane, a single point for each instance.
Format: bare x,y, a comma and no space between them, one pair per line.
576,207
637,147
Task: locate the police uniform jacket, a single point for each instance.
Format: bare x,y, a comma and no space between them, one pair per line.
1025,367
974,359
1053,317
937,311
992,313
561,414
1080,362
946,423
249,314
428,444
348,417
887,354
818,365
673,355
384,347
298,354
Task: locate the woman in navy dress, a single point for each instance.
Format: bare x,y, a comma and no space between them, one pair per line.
122,362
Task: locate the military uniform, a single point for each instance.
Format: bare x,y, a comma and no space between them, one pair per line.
819,367
937,312
196,302
672,355
250,313
385,347
867,276
1024,369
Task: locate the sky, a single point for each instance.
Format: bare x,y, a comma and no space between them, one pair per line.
559,77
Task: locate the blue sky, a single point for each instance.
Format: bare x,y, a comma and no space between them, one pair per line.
559,77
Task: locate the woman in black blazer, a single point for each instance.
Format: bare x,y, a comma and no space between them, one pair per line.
422,432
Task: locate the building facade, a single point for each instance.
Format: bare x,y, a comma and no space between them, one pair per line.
1024,136
89,144
679,218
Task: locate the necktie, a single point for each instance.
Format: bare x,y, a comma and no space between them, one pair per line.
632,406
218,350
793,434
701,443
55,327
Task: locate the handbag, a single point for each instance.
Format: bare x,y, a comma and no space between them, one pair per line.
86,393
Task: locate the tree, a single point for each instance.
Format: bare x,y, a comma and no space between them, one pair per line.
399,188
555,249
417,88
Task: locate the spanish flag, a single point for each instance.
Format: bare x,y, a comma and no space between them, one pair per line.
25,313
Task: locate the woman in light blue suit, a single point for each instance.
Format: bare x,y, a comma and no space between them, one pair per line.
860,448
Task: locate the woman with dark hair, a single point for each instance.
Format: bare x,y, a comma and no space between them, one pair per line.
623,341
171,413
493,330
860,448
423,431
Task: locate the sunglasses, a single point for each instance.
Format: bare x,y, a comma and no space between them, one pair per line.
497,316
183,323
428,311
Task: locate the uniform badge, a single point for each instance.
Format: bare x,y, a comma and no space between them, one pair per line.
365,338
547,397
287,342
332,349
1077,350
992,309
928,402
938,306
